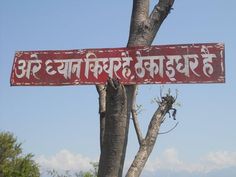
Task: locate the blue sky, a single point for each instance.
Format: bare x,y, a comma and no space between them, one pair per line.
60,124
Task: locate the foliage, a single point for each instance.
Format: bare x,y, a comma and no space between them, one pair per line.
91,173
12,162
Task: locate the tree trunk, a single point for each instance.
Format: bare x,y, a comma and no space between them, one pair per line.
115,136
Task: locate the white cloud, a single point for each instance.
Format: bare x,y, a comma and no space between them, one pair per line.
65,160
170,160
222,158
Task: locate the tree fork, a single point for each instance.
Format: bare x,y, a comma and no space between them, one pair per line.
143,29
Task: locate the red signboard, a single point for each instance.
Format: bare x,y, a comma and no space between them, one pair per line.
190,63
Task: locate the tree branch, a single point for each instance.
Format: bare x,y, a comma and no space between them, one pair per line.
158,118
161,133
160,11
140,14
101,89
143,29
147,144
140,10
157,16
135,119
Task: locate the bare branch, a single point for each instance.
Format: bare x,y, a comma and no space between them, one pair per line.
143,29
158,118
161,133
160,12
140,12
136,126
156,18
101,89
135,116
147,144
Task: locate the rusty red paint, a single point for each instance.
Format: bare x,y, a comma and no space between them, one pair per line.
184,63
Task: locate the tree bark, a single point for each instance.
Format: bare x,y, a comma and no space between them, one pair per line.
148,143
115,135
114,118
143,29
101,89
